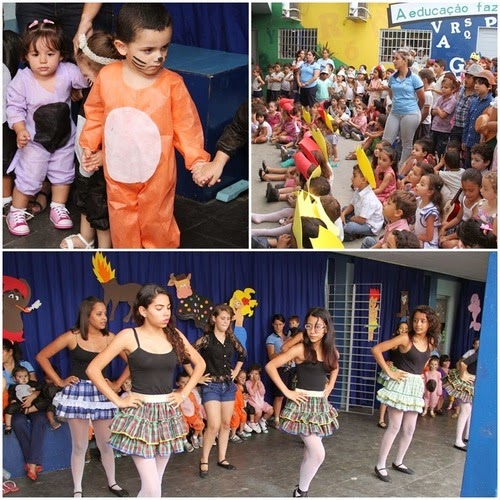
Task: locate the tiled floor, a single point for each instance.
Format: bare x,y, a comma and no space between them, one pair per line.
268,466
203,225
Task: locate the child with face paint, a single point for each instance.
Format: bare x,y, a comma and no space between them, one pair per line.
138,112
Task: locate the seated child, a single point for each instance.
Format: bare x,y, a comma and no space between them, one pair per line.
273,116
363,216
373,135
385,173
398,209
429,210
355,126
23,388
481,157
193,412
292,184
401,239
422,151
263,132
256,391
451,175
471,235
471,187
239,417
487,208
409,183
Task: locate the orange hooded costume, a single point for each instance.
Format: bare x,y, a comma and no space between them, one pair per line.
138,130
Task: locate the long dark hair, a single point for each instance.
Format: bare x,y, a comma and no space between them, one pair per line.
210,326
82,322
434,330
144,298
10,345
328,349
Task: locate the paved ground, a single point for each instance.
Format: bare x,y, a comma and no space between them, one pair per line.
268,466
269,153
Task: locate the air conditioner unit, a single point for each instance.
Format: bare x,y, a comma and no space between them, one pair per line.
358,12
291,13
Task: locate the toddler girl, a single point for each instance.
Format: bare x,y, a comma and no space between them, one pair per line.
443,113
432,387
289,129
429,210
487,208
273,116
385,173
38,110
92,55
256,391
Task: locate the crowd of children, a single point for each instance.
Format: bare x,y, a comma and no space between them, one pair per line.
454,207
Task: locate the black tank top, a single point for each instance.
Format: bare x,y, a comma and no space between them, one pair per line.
412,361
151,373
80,360
311,376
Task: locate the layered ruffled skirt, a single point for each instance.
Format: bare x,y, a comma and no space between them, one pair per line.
315,416
457,388
406,395
83,400
153,429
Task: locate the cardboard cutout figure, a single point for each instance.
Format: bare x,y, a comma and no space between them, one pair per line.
242,305
404,300
475,310
191,305
16,297
113,291
373,312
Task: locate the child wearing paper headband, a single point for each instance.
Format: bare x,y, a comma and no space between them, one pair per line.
93,54
38,110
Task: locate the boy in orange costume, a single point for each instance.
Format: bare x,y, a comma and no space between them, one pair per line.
138,112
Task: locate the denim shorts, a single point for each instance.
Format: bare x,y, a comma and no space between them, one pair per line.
218,391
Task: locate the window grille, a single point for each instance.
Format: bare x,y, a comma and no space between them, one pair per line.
292,40
418,40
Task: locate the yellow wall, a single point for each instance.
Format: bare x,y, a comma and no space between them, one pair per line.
353,42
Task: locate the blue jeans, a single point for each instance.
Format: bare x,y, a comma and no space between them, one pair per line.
405,127
30,431
353,228
218,391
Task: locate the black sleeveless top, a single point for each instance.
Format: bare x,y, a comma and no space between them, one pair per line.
311,376
412,361
80,360
151,373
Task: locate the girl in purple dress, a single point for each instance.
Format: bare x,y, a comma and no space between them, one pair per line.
38,110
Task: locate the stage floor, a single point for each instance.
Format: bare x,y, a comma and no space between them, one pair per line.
268,466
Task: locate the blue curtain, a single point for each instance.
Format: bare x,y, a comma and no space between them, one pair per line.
283,283
216,26
469,313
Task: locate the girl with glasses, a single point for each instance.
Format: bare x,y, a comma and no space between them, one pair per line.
307,412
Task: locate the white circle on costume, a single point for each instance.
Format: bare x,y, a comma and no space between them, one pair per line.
133,145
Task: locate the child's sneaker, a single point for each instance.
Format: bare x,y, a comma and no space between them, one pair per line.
263,426
247,428
235,439
242,435
195,442
245,434
255,427
16,222
188,446
59,216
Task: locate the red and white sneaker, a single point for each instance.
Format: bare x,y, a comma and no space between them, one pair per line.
16,222
59,216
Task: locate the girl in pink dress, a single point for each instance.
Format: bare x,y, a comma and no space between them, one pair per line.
433,387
